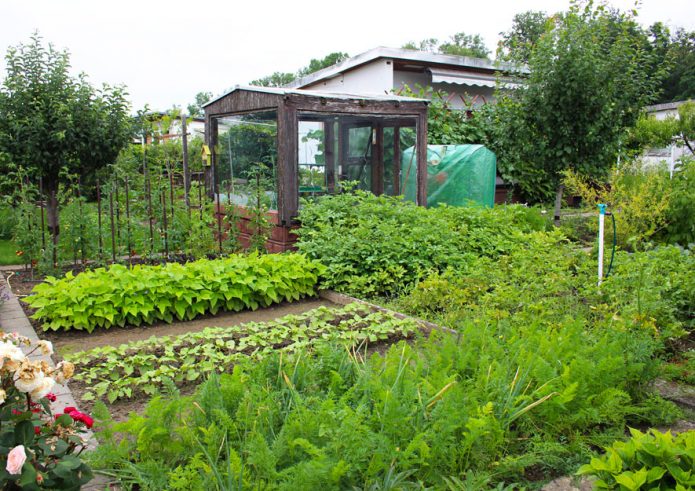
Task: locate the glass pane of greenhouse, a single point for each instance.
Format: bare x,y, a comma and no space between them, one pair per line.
246,158
364,150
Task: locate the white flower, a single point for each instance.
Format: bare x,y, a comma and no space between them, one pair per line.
44,388
29,377
15,460
46,347
11,356
3,395
63,372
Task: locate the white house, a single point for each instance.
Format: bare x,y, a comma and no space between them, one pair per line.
468,81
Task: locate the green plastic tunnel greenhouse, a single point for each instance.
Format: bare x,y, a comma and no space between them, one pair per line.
456,175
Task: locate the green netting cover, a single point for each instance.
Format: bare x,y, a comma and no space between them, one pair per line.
456,175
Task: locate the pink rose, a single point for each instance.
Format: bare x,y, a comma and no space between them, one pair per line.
16,459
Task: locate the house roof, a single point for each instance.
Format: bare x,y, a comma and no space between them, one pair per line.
664,107
406,55
315,93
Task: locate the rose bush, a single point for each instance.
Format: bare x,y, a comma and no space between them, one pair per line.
38,450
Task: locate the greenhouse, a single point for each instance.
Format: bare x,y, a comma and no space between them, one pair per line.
298,144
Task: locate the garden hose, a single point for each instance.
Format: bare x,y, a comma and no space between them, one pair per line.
615,241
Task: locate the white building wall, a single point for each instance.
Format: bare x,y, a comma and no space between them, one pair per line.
373,78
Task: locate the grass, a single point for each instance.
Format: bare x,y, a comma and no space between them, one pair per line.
8,254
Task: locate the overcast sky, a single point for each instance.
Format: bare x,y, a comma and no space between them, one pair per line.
167,51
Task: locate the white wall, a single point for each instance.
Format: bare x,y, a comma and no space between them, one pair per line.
373,78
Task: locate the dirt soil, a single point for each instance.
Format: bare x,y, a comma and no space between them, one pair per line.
65,342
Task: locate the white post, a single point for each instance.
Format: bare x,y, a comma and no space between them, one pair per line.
601,219
673,161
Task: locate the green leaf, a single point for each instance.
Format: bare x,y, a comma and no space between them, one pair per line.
24,433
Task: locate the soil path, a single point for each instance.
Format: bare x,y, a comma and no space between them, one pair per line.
72,341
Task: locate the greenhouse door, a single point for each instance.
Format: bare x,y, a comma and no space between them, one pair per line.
370,154
397,136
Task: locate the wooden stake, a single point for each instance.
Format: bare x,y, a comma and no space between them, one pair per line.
127,218
101,242
186,173
113,229
43,224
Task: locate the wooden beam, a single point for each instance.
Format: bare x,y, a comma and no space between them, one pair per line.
421,148
396,160
377,159
329,152
286,165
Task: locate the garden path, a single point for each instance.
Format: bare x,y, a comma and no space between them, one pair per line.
13,319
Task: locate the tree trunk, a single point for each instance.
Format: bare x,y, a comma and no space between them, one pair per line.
52,216
52,210
558,203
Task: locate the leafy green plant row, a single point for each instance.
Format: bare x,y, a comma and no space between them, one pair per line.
144,294
141,367
380,245
651,460
505,402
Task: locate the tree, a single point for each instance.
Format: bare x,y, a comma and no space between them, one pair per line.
446,125
650,132
319,64
424,45
680,82
277,79
589,78
280,79
195,109
460,44
52,124
463,44
518,42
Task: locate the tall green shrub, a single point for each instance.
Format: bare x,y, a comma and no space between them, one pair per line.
380,245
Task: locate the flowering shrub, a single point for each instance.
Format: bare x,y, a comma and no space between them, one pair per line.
38,450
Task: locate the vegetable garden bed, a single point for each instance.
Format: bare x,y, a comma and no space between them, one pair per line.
136,370
120,296
67,342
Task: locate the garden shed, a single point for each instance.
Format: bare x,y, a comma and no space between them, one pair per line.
299,143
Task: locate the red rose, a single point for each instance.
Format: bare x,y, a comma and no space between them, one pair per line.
37,430
88,421
69,410
51,397
81,417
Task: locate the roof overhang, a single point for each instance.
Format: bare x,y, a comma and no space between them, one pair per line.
444,76
421,58
470,79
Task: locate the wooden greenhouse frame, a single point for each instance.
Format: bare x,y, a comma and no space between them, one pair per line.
291,107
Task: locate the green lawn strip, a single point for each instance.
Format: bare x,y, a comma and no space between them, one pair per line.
8,253
141,367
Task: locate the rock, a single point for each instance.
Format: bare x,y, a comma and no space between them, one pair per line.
567,484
